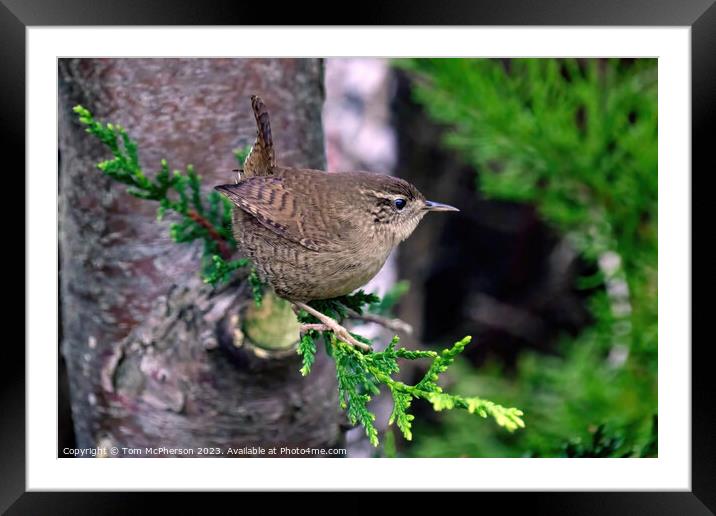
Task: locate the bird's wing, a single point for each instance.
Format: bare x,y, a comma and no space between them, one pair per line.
287,212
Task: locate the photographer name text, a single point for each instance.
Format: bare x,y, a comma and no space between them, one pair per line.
169,451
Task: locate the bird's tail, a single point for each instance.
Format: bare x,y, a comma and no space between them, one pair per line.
261,159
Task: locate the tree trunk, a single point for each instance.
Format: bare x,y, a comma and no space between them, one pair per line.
156,358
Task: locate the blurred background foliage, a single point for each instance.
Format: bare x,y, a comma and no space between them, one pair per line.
577,140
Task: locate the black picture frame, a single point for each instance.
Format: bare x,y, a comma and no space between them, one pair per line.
700,15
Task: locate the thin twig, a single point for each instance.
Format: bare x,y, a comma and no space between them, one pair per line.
336,328
391,324
224,248
315,327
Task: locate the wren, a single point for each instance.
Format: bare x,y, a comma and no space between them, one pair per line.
313,234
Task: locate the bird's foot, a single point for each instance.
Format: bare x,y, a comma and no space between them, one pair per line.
330,324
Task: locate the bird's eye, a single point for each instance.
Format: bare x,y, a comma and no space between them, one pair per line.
399,203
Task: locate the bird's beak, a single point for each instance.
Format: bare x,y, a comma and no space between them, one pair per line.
438,206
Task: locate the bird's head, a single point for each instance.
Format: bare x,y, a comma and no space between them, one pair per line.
396,206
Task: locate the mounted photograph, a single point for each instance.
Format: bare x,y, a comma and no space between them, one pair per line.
358,257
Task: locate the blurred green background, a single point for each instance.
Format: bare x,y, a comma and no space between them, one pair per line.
574,143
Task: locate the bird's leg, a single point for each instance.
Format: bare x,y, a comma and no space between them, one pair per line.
333,326
391,324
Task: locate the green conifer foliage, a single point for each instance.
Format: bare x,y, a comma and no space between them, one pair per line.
201,217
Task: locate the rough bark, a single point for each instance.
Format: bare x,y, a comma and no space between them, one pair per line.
154,356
